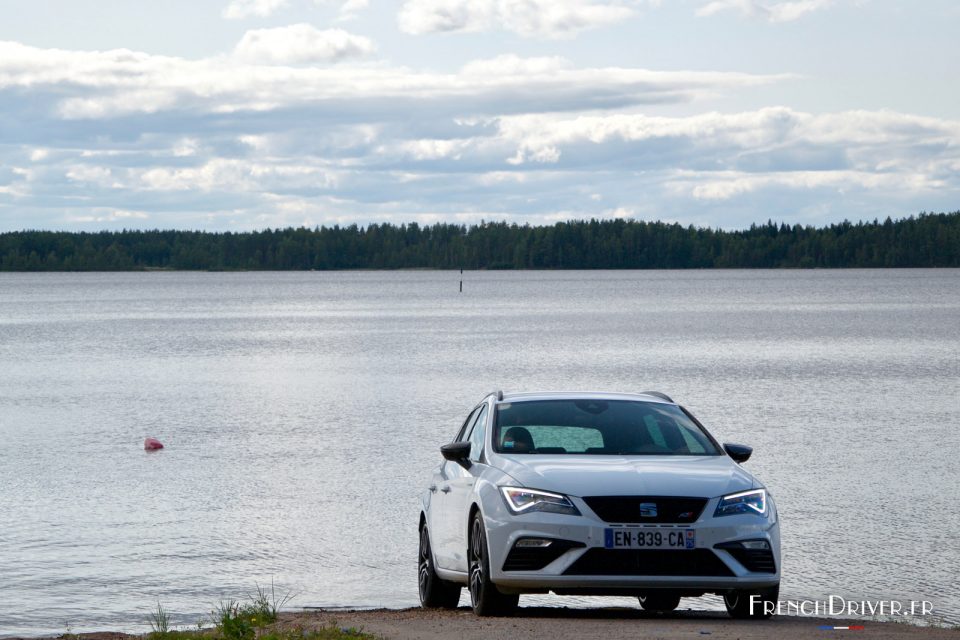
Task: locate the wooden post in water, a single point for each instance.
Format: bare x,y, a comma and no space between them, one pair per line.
461,280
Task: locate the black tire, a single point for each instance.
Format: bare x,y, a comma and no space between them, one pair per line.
435,593
484,595
738,603
659,602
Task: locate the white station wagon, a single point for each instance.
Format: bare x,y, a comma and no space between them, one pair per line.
595,494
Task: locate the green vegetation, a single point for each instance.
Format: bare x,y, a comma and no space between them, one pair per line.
329,632
237,621
257,619
927,240
159,620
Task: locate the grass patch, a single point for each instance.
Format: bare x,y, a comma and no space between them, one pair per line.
255,619
329,632
159,620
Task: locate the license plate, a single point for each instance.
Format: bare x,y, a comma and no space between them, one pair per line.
650,538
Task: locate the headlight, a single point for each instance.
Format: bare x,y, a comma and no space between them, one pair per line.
520,500
753,501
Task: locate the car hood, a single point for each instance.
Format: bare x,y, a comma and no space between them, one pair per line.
699,476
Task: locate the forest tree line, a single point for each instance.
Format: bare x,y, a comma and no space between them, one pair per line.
926,240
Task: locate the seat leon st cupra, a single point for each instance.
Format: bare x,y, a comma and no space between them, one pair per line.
595,494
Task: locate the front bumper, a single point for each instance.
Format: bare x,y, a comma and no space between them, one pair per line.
586,566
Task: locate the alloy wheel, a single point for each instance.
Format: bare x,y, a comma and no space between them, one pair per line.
476,562
423,565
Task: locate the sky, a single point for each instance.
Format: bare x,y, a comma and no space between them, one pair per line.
247,114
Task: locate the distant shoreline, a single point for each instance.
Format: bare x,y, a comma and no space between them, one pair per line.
923,241
466,271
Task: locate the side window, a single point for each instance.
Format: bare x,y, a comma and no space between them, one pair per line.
464,432
476,436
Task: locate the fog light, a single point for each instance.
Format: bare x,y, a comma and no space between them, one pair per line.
754,544
537,543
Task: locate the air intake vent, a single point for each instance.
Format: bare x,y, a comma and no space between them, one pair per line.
648,562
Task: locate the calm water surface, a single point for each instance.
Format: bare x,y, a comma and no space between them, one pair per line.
302,413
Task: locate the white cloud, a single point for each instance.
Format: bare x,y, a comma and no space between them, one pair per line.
301,43
108,215
514,65
431,149
857,135
252,144
540,18
771,11
87,173
238,9
235,175
186,148
727,185
348,9
105,84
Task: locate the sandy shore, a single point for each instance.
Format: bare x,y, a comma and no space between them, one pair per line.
538,623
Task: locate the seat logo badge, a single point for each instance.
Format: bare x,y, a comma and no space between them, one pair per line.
648,509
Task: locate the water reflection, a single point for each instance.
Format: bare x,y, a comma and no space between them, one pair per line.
302,413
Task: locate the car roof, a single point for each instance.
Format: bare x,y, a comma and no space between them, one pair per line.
527,396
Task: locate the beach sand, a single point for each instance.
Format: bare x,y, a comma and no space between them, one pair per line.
541,623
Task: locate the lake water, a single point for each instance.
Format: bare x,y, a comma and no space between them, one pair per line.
302,413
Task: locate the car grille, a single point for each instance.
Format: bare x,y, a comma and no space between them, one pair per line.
628,508
756,560
648,562
536,558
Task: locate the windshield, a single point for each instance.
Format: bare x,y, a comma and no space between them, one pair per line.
598,427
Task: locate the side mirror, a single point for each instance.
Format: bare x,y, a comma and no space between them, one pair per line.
457,452
739,452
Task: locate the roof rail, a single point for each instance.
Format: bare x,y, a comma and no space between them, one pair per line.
497,393
657,394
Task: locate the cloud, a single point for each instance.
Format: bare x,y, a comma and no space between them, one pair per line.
239,9
730,184
300,44
531,18
766,140
235,175
87,173
351,6
771,11
348,9
234,142
101,215
514,65
111,84
707,158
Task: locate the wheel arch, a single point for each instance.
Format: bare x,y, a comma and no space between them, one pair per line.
473,511
474,507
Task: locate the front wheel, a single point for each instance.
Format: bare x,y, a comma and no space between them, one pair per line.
435,593
754,604
484,595
659,602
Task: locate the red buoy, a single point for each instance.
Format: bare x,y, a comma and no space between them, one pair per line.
152,444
